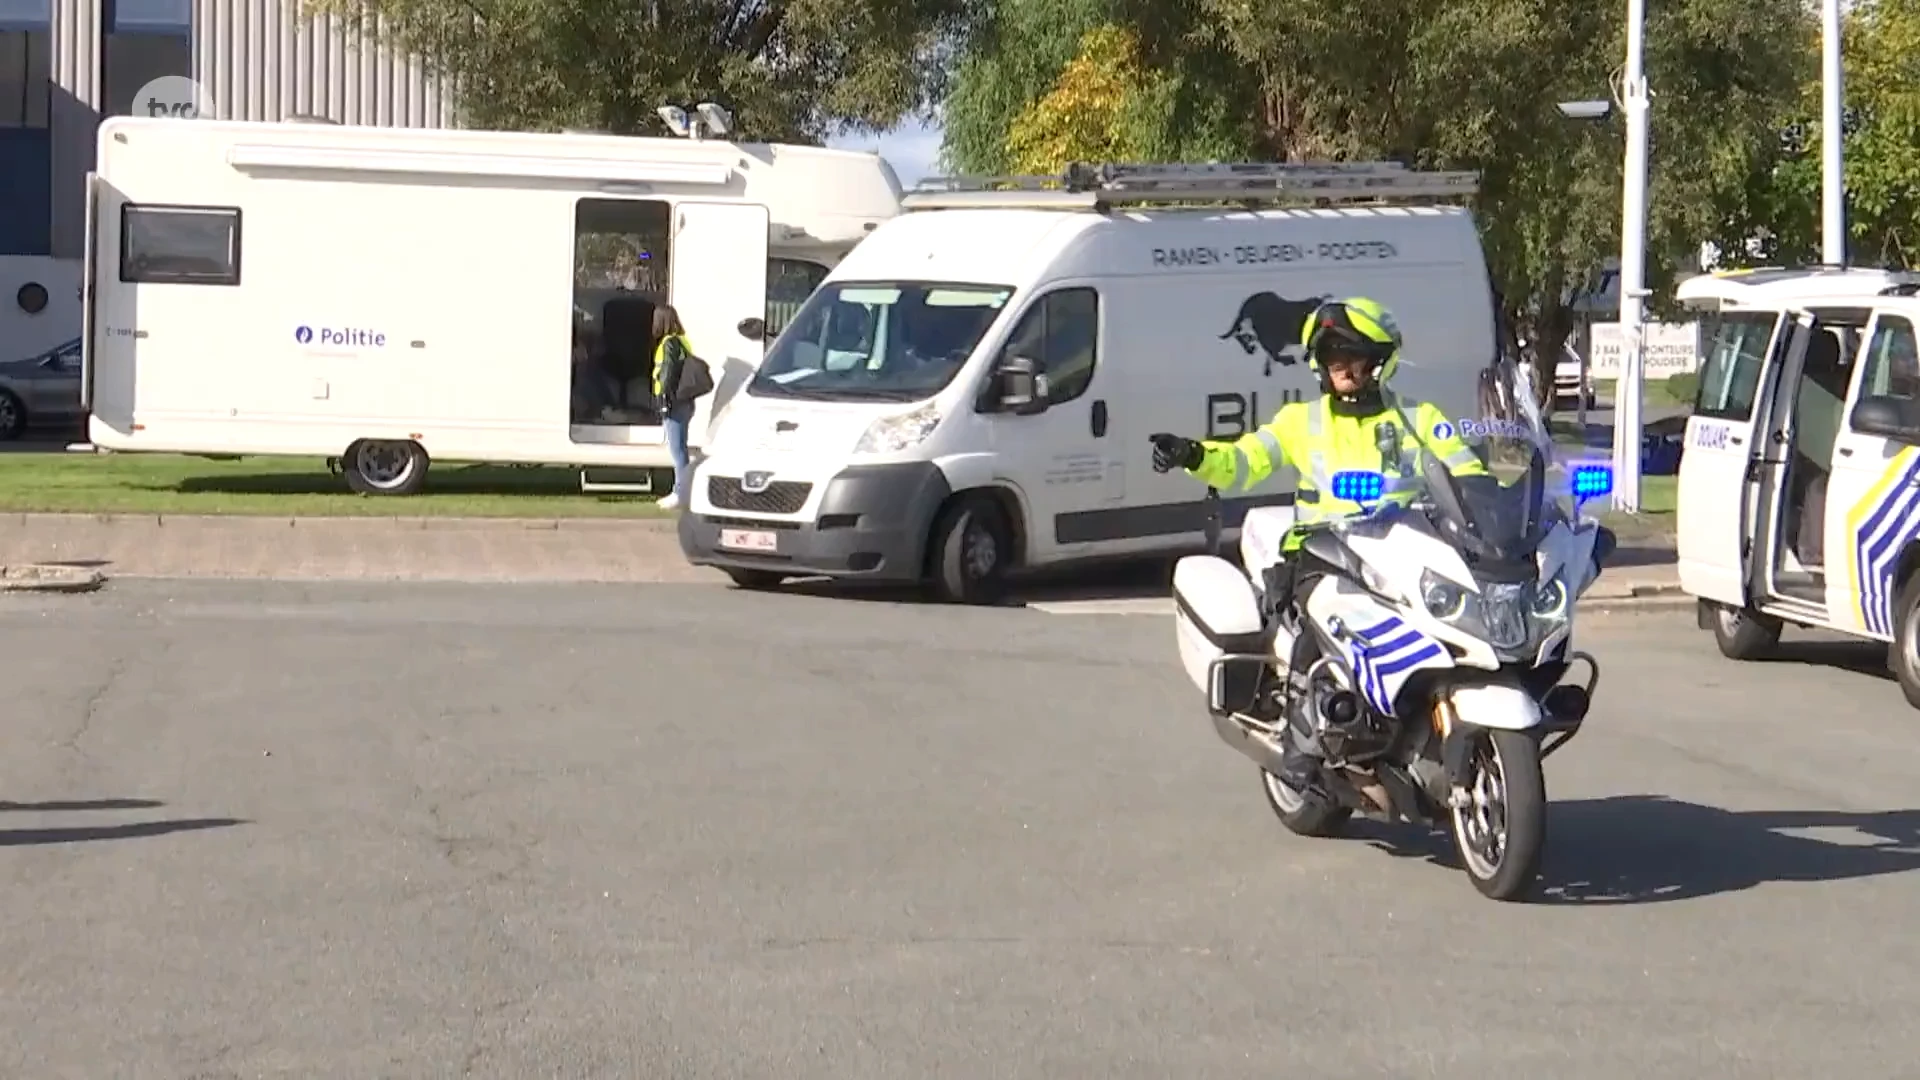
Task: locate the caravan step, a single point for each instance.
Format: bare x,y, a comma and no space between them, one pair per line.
616,481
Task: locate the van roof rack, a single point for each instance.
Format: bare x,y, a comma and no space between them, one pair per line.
1085,186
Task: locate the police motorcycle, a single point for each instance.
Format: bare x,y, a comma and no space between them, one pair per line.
1444,633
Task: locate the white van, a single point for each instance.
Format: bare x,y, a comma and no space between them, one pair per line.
390,296
1799,497
971,391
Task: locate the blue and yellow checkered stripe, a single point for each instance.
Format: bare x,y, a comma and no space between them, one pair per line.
1880,525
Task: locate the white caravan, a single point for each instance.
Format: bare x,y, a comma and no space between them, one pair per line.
390,296
972,389
1799,497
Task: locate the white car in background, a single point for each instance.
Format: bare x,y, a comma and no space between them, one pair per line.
42,390
1568,387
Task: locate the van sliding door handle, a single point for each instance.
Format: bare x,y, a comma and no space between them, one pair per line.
1099,419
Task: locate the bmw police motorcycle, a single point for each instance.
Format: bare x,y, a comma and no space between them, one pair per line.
1445,635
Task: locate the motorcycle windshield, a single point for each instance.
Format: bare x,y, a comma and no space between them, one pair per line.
1496,501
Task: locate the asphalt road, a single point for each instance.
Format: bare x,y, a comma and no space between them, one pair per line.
424,831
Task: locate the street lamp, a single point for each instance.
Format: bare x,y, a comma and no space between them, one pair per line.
1833,187
706,119
1586,110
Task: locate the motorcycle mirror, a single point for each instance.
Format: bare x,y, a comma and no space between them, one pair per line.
1386,436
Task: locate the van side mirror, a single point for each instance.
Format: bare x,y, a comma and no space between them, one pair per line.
1887,417
752,329
1020,388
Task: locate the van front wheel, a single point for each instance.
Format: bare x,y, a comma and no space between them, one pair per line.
970,551
1743,634
385,467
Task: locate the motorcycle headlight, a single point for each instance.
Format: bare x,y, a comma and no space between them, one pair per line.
892,434
1445,600
1550,600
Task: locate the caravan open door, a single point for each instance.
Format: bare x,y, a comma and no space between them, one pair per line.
719,282
90,294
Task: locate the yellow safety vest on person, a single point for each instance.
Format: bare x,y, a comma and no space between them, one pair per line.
1317,443
660,362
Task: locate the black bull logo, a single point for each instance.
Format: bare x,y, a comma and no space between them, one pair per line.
1273,324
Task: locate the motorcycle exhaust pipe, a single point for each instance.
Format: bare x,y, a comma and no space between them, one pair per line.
1261,743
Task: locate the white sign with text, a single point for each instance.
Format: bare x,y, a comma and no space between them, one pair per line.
1671,348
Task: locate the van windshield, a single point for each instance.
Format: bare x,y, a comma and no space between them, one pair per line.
861,341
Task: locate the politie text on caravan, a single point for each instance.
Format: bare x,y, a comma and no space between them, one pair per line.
340,337
1263,254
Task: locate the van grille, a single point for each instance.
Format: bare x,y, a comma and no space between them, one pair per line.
781,496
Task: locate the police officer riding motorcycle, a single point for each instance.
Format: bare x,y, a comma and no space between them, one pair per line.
1358,422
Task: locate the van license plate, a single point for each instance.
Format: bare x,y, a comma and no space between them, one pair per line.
749,540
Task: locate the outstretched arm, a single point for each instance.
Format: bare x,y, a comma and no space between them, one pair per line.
1243,462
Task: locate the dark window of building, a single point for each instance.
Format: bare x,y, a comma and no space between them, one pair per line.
180,245
134,60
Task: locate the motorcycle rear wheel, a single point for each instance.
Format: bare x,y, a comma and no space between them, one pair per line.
1303,815
1501,837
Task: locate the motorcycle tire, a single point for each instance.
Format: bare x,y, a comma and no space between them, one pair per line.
1303,815
1518,754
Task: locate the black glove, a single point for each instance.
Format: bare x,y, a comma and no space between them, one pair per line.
1172,452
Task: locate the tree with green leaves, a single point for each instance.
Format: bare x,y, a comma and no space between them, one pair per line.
1880,145
792,70
1470,84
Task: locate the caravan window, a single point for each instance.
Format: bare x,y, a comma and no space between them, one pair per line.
789,283
1730,375
180,245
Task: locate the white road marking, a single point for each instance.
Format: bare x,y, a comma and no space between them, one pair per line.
1146,605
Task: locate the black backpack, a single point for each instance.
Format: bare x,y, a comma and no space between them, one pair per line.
695,381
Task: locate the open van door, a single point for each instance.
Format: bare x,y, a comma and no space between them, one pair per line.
1719,472
89,292
719,282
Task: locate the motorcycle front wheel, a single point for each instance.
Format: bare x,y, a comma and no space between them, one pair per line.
1502,832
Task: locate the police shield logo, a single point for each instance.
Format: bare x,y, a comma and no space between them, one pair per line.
1270,323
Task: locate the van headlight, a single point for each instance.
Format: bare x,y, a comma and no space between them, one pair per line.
1550,600
1444,600
892,434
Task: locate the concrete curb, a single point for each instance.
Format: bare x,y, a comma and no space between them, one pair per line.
47,577
369,522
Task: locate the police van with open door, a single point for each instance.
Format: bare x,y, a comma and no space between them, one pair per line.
1799,498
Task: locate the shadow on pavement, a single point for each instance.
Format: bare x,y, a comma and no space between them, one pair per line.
1649,849
1859,657
75,834
1641,849
59,806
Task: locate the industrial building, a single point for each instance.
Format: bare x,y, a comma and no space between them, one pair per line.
64,64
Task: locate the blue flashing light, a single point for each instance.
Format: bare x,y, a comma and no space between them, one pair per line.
1359,486
1592,481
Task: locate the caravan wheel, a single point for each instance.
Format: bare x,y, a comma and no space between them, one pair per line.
385,467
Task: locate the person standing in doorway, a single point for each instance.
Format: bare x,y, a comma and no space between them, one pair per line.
679,380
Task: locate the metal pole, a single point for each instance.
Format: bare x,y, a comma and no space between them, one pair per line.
1833,185
1633,257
